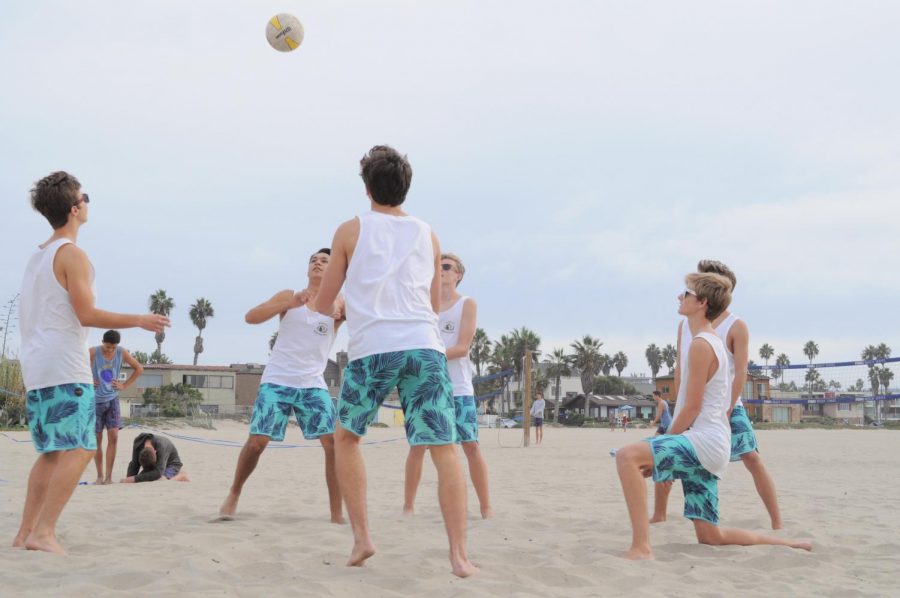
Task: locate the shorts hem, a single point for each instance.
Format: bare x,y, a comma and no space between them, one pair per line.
693,517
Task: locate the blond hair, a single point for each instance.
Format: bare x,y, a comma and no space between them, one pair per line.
459,265
715,289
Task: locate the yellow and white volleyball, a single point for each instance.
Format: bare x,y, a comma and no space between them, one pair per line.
284,32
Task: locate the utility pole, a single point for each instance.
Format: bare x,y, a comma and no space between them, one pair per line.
526,399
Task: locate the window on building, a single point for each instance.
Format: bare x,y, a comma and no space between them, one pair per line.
195,381
146,380
665,390
215,381
844,407
227,382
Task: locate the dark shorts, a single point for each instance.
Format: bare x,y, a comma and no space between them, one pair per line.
661,430
171,472
539,422
109,416
61,418
426,394
466,418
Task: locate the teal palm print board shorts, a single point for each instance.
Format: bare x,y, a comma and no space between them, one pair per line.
275,404
426,394
674,458
62,418
743,438
466,418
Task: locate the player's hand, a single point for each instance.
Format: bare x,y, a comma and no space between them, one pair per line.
340,309
729,412
117,385
646,470
96,384
154,322
301,298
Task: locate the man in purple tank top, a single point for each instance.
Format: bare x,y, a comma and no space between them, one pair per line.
106,362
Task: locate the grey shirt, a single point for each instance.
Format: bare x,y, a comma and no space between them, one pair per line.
166,457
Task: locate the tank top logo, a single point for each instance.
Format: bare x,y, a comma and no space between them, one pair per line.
106,374
321,329
448,327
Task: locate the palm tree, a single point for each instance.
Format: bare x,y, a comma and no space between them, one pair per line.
669,354
523,340
766,352
781,362
885,375
162,305
882,351
558,367
620,362
587,361
606,363
810,349
158,357
141,357
480,351
813,380
871,353
503,358
654,358
200,311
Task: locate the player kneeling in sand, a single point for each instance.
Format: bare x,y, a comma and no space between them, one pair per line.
697,447
154,458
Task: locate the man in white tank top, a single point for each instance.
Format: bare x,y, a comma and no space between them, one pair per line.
293,382
736,336
389,266
697,447
457,322
57,309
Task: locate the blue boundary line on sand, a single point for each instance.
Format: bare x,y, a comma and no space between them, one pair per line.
240,444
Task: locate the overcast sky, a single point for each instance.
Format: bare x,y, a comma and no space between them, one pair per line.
579,156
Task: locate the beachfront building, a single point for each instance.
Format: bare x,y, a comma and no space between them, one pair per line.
604,407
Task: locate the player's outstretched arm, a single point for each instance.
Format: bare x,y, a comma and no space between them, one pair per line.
336,272
279,303
77,273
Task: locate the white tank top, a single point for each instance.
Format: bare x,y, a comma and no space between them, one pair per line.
388,287
722,331
301,350
460,369
710,433
54,343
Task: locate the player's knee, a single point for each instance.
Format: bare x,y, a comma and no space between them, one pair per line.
751,460
628,456
258,443
470,448
708,534
327,443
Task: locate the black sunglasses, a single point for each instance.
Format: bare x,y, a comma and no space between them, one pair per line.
84,198
446,267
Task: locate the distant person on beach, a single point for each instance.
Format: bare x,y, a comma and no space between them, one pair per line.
625,423
457,323
697,447
389,264
57,310
106,363
537,414
663,418
736,336
154,458
293,382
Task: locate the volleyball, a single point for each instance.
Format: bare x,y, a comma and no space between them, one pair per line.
284,32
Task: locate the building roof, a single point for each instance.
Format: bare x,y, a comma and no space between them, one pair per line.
610,401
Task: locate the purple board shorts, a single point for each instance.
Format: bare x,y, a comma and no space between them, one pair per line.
109,416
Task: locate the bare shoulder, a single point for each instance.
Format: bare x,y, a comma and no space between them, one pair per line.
70,253
348,228
470,303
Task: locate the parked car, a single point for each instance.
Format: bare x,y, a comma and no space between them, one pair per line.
508,423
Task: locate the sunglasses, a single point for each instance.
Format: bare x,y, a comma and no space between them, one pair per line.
446,267
687,292
84,199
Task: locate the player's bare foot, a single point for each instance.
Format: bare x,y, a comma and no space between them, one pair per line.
657,519
487,513
98,481
361,552
777,524
463,567
44,544
339,519
639,553
802,545
19,540
408,511
229,507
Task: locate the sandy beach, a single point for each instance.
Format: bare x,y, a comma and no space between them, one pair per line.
561,524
